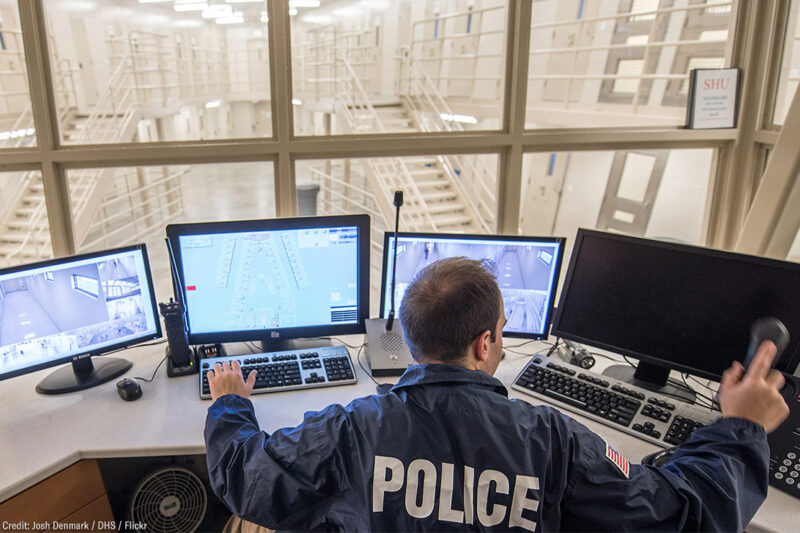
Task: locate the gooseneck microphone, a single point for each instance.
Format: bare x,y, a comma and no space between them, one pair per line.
387,352
398,201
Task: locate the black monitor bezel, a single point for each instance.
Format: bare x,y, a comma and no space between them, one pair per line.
461,236
579,239
362,222
104,349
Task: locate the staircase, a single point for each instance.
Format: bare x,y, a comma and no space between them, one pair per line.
24,229
435,195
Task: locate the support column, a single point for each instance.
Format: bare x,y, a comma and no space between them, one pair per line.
510,166
739,171
45,118
774,217
281,87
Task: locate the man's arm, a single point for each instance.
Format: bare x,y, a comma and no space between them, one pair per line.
716,481
281,480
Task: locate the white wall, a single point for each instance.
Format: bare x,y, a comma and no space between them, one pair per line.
679,209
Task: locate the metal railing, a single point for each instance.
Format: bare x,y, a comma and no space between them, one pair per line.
154,198
332,79
428,109
342,202
63,78
581,27
435,42
315,60
110,118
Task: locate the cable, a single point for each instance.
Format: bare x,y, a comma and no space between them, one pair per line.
154,372
606,356
340,340
554,347
358,358
685,386
512,347
699,395
705,385
521,344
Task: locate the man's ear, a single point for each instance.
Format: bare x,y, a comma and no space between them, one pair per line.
480,346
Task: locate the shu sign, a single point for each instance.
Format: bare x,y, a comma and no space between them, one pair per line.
712,101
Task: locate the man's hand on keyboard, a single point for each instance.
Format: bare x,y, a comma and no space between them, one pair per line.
755,395
227,379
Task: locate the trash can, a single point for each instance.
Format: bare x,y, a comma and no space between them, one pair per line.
307,199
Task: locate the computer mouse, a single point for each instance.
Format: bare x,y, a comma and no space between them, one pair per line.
129,389
766,329
658,458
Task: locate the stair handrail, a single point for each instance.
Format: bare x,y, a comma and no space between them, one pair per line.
171,178
406,183
38,225
63,70
107,96
25,119
376,239
37,220
359,90
364,207
438,106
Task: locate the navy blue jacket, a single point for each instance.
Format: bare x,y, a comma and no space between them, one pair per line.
446,450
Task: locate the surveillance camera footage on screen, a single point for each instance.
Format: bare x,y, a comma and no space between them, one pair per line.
270,279
67,309
526,272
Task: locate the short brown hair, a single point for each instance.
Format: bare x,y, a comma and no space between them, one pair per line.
449,303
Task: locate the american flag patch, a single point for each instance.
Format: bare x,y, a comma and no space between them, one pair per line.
617,458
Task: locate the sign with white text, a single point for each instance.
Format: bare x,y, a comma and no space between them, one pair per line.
712,98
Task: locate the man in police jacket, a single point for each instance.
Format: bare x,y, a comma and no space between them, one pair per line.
447,450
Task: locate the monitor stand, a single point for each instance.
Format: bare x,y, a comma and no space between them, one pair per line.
650,377
82,374
279,345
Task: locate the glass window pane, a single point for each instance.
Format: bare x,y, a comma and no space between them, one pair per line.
597,63
24,228
119,206
790,65
441,193
666,197
159,71
396,66
16,119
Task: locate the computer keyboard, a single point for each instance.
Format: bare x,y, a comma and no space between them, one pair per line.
650,416
288,370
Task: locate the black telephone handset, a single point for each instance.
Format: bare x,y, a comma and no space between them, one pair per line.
767,329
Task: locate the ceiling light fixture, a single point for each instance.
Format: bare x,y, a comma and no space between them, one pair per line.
235,18
304,3
192,6
464,119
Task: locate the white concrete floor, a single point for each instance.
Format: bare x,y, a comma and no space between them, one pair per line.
218,192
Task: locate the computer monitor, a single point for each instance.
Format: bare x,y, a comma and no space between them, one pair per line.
527,270
69,309
673,306
272,280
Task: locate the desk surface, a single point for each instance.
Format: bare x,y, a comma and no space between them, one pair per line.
40,435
